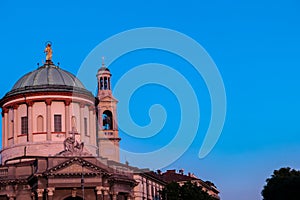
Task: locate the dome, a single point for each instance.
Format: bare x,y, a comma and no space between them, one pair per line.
48,75
103,68
48,78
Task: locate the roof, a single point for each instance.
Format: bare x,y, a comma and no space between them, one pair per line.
48,74
171,176
47,78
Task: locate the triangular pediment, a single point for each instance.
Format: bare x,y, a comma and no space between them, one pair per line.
76,166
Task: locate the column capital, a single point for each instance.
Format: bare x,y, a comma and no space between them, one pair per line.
99,189
40,192
29,103
82,105
15,106
50,191
5,110
68,102
105,191
92,108
48,102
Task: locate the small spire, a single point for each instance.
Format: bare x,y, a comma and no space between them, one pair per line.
103,61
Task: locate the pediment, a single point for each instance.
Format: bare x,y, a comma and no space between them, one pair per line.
76,166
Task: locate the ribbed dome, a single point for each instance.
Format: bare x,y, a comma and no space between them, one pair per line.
47,78
48,74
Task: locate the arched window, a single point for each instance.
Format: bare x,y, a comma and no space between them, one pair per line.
101,83
105,83
40,124
107,120
73,124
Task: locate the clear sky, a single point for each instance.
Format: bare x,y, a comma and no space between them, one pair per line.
255,45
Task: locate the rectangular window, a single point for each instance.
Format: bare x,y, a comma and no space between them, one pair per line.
85,126
24,125
57,123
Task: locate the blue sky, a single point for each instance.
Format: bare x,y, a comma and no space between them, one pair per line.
254,44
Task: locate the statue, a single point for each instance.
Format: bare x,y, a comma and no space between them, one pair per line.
72,147
48,51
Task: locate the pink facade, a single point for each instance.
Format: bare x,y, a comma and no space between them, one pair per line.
37,121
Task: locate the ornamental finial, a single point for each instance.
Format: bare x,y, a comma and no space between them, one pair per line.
103,62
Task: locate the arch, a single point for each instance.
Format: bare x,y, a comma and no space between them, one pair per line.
107,120
40,124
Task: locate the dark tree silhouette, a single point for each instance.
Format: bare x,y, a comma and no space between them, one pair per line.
283,184
188,191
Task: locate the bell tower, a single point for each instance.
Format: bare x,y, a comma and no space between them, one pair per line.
108,134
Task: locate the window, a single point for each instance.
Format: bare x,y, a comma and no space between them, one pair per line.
85,126
57,123
24,125
73,124
107,120
40,124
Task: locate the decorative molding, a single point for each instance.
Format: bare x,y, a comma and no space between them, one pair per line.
48,102
5,110
40,192
50,191
67,102
73,147
15,106
82,105
29,103
37,94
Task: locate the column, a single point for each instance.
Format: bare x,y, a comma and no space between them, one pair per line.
33,196
82,122
92,126
114,196
48,118
30,121
115,122
40,193
5,124
67,117
50,192
106,195
99,192
130,197
15,133
11,197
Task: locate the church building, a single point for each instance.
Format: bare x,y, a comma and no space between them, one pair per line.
60,142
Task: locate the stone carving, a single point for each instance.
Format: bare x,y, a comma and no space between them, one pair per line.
73,147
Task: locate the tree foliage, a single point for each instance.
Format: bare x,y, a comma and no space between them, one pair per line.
283,184
188,191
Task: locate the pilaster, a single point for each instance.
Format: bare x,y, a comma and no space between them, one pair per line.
15,133
48,124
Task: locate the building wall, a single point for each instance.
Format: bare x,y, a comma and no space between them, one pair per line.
17,144
147,188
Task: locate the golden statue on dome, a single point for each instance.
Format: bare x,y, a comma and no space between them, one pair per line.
48,51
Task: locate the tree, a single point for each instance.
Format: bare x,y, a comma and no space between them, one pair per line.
188,191
171,192
283,184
